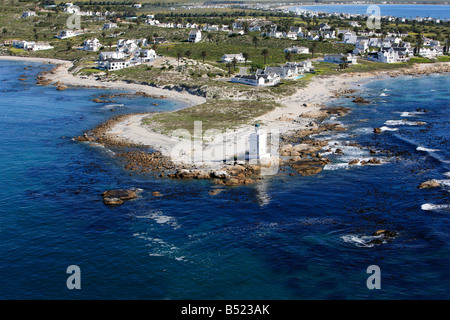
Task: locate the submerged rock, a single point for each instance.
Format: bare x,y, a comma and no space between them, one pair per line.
122,194
214,192
377,130
383,235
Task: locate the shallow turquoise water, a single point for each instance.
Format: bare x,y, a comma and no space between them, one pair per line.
282,238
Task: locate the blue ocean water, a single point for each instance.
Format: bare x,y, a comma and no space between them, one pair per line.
281,238
395,10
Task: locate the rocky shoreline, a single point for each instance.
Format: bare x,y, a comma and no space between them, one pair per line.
297,151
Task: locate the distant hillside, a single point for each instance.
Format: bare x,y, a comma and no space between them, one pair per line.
182,2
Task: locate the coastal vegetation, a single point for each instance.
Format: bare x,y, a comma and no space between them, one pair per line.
214,114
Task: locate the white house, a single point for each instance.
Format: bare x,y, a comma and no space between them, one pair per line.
237,26
146,55
27,14
31,45
306,65
111,55
273,33
297,50
385,56
339,58
109,25
129,46
291,35
91,45
361,47
113,64
237,32
297,30
261,80
70,8
67,33
349,37
213,27
230,57
195,36
40,46
328,34
284,72
430,52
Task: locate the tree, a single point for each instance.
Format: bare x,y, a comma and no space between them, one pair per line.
344,63
419,42
288,56
234,61
204,54
209,36
255,40
179,57
69,45
245,55
265,53
313,49
229,68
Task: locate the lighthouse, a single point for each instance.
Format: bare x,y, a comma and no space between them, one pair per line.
258,145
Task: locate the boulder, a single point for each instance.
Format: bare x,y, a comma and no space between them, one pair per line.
429,184
377,130
156,194
340,111
219,174
309,171
353,162
371,161
360,100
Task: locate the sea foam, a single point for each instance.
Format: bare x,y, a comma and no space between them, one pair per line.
432,207
426,149
360,241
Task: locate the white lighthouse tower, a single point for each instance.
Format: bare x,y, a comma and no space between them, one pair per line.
258,146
